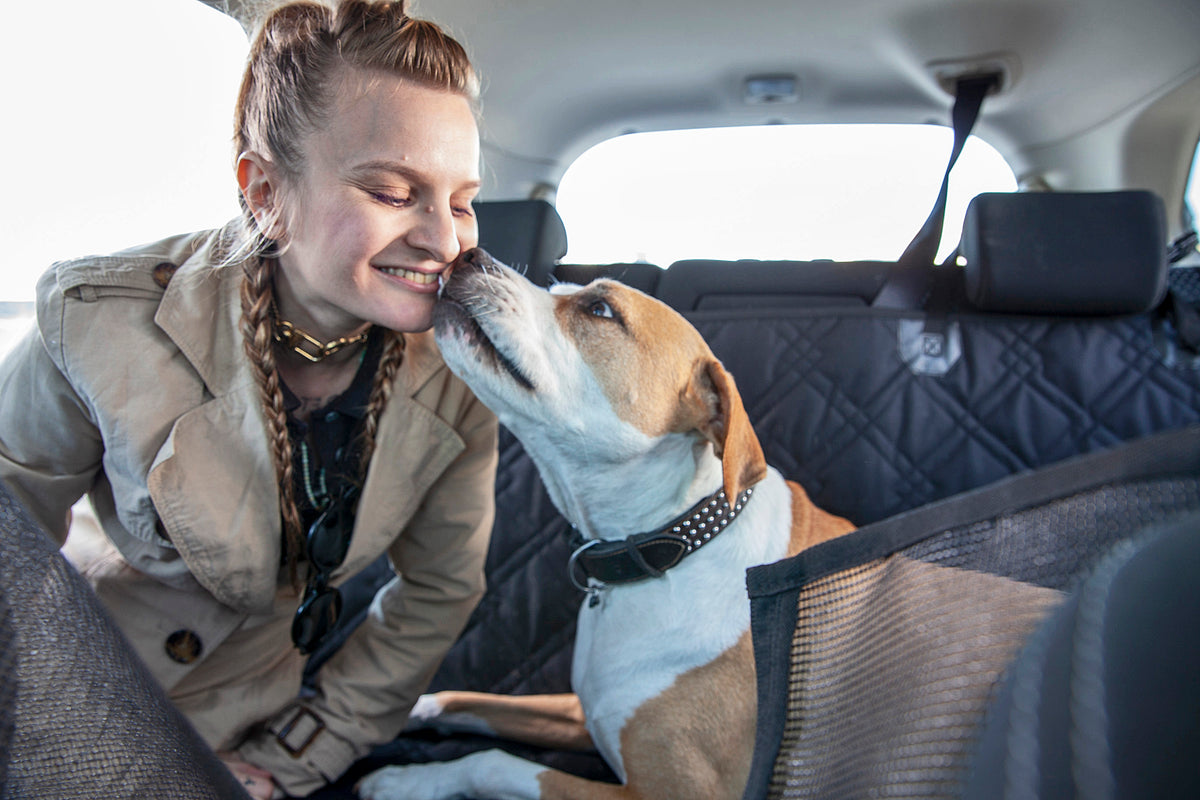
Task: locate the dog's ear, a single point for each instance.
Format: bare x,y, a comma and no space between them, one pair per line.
722,420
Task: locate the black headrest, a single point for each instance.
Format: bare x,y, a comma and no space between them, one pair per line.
1066,253
528,235
639,275
701,285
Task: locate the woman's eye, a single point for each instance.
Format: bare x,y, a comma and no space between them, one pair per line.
390,199
599,308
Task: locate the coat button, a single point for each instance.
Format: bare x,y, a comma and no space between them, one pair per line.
163,273
183,646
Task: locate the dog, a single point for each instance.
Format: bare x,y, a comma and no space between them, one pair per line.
642,441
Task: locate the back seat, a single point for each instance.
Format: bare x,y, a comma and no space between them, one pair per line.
639,275
875,410
878,410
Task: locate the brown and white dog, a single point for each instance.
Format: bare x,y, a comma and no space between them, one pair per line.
636,428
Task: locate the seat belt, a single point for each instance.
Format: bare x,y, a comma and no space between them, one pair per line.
910,281
1184,317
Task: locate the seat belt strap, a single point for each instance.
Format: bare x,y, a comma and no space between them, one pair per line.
907,287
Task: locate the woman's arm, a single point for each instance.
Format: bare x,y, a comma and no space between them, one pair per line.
50,448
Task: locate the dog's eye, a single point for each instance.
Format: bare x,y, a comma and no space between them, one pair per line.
599,308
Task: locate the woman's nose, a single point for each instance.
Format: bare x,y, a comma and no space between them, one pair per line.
435,232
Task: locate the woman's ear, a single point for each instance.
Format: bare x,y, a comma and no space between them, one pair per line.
259,184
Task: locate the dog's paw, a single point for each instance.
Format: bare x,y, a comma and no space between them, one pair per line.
410,782
488,773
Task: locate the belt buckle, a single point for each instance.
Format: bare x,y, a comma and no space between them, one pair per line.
290,727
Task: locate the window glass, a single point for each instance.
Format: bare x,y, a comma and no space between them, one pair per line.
803,192
119,128
1192,193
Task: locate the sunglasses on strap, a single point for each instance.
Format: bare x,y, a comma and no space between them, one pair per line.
327,543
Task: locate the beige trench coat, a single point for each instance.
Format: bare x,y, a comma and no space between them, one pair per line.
134,389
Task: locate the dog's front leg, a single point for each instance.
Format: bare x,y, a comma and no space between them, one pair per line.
554,721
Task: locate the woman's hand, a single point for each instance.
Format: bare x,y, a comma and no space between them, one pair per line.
257,782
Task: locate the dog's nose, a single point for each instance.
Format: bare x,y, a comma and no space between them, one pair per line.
470,262
477,257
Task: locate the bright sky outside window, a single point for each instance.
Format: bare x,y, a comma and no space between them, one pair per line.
121,128
841,192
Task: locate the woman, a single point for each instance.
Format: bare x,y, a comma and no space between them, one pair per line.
258,412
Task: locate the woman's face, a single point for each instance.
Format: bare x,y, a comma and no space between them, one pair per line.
382,207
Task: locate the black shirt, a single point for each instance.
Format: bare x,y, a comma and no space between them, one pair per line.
326,450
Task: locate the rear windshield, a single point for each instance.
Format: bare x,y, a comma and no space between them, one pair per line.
804,192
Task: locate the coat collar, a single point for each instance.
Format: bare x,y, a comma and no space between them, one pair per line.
201,311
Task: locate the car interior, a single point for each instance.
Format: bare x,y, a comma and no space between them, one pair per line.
1024,413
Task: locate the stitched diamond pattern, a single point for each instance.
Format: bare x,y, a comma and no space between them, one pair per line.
869,439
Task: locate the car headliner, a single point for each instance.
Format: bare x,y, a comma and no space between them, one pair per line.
1098,94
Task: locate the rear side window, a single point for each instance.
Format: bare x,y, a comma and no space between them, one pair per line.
1191,197
801,192
121,121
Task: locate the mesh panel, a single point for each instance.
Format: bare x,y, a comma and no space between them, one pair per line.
80,715
893,661
1103,701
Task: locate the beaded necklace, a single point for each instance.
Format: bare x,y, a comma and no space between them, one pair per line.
318,499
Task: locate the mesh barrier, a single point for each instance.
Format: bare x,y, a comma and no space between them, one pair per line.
1103,701
80,715
878,653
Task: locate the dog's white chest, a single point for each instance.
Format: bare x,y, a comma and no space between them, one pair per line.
639,638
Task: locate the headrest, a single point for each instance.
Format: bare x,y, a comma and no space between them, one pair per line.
528,235
702,285
639,274
1065,253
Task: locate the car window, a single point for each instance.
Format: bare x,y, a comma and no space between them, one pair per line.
1191,196
124,132
122,135
841,192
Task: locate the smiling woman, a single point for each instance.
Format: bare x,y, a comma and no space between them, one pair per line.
231,401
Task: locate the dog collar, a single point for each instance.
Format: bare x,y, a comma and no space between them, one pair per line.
649,555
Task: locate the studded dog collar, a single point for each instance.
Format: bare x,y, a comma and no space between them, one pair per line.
649,555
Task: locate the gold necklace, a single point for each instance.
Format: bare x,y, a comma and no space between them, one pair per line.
311,348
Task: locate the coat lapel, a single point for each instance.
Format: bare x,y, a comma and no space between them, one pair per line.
216,494
414,447
213,482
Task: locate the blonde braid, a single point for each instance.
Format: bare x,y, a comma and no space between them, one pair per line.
381,392
258,340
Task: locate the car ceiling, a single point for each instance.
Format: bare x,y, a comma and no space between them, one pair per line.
1099,94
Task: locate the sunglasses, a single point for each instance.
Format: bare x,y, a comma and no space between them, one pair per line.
327,542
